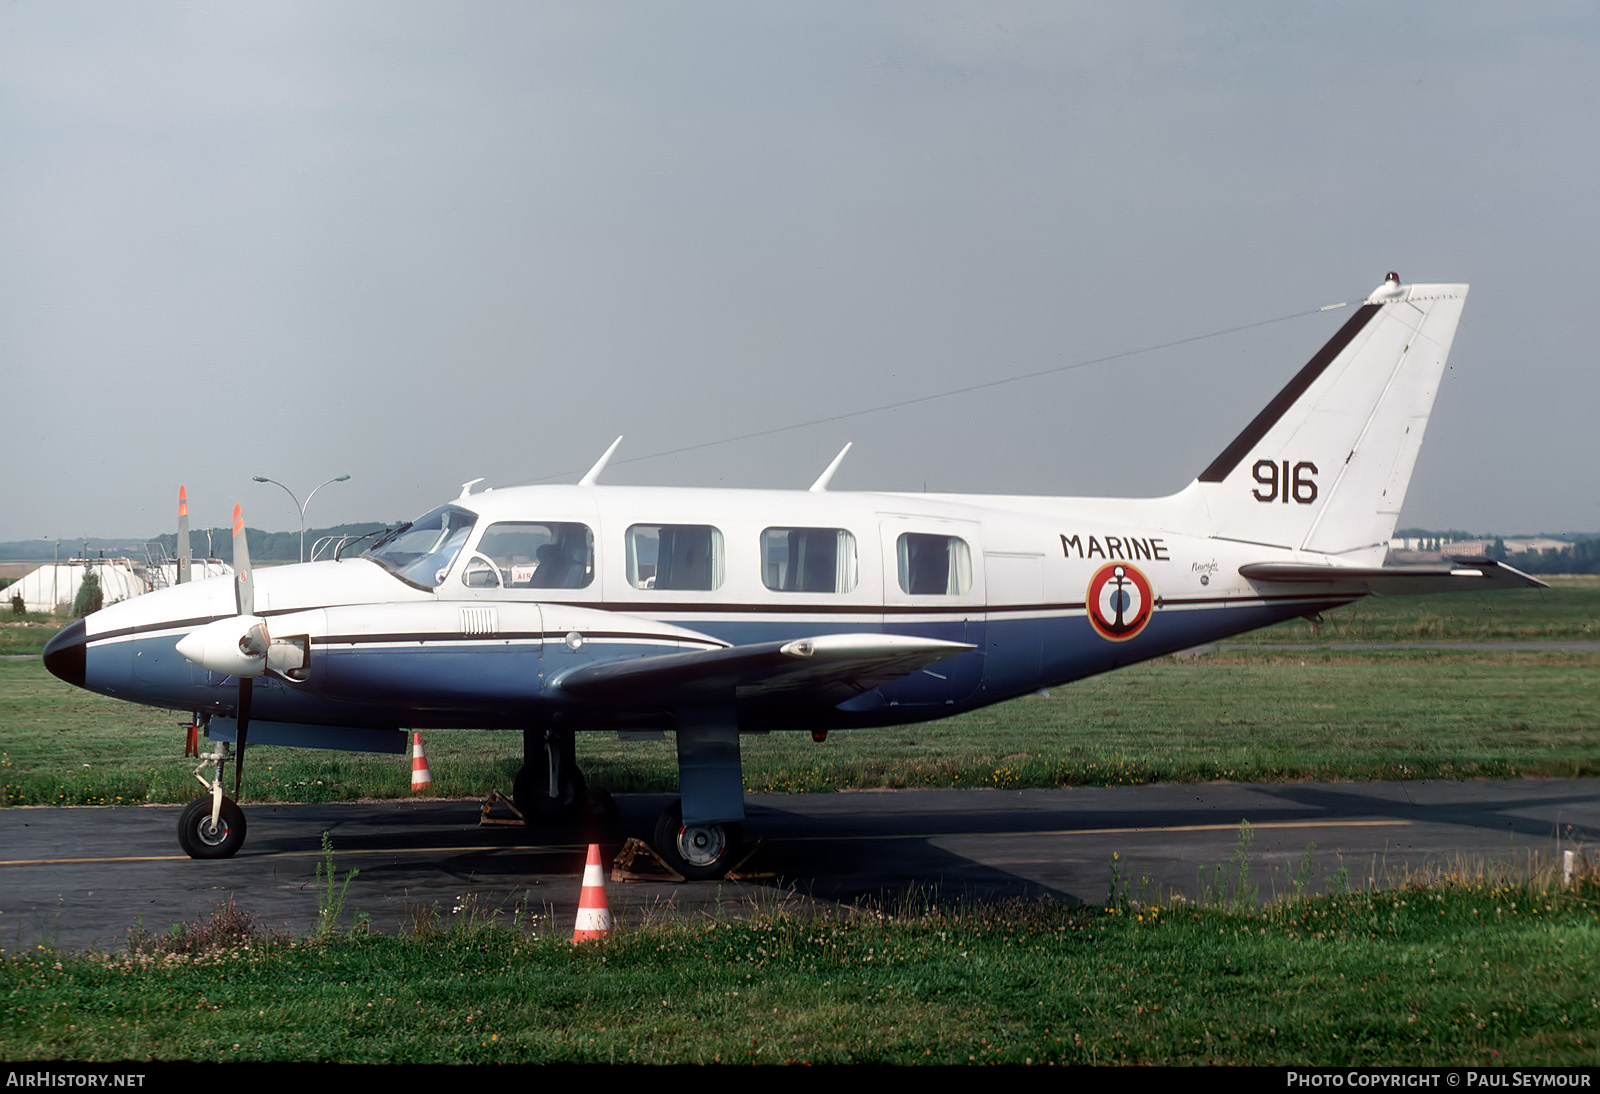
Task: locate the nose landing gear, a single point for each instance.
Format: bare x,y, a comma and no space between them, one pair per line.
549,785
203,836
211,826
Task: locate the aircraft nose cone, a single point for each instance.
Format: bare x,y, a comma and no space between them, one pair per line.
65,654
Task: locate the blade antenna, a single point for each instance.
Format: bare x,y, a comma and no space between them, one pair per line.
593,475
827,476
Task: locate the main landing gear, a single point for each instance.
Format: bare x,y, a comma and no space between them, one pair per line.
697,851
549,787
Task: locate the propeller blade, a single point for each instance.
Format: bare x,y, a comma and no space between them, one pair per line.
184,554
244,730
244,587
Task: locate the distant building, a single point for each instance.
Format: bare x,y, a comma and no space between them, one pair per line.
54,587
1475,548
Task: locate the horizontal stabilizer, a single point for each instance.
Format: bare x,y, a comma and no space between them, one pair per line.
1462,575
827,669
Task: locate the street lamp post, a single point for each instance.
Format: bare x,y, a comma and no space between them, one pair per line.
299,505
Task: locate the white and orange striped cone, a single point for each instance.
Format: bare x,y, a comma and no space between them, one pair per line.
421,777
594,914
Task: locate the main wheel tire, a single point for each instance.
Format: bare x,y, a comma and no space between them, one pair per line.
201,839
531,793
697,851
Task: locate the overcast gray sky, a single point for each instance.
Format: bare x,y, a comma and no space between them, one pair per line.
419,243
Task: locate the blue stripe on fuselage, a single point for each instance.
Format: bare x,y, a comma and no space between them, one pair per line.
488,683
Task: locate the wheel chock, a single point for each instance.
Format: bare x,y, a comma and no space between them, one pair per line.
516,820
622,867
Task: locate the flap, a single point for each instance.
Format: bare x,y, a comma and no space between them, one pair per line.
824,670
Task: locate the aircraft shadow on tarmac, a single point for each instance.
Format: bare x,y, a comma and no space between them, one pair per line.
1032,844
842,858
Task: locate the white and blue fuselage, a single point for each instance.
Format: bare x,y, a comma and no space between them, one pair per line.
387,651
712,613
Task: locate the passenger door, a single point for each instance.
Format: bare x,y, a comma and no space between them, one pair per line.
933,587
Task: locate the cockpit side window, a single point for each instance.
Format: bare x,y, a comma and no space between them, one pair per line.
540,554
421,553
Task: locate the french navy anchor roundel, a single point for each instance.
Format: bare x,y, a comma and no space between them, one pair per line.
1119,601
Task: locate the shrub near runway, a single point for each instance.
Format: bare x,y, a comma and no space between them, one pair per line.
1455,973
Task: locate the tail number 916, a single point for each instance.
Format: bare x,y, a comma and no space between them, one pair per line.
1280,482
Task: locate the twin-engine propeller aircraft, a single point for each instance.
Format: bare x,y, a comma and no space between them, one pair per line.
716,613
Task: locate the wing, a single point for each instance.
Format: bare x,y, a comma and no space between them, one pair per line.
1461,576
821,671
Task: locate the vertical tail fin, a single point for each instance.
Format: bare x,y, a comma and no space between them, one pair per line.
1325,466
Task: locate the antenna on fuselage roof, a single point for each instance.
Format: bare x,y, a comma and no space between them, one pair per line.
827,476
466,487
593,474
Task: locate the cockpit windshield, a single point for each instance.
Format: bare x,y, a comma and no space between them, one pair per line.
421,552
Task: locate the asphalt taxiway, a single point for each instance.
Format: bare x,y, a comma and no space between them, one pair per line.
82,877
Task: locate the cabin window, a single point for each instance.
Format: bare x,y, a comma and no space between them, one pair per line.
538,554
808,560
674,556
934,565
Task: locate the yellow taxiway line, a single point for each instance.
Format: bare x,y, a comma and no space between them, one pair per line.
576,848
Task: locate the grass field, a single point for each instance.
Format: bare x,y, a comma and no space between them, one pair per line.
1476,970
1466,973
27,635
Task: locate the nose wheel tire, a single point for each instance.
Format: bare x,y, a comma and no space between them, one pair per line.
201,838
697,851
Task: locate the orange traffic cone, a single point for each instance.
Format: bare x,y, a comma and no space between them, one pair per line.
594,915
421,777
